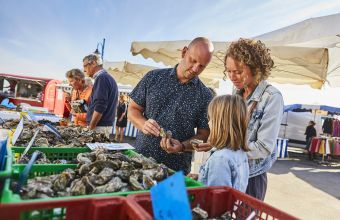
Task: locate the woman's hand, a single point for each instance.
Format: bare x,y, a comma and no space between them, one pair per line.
202,147
120,119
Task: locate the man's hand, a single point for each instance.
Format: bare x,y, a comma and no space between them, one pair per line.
151,127
171,145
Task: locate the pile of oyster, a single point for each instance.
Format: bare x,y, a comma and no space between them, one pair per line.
42,159
99,172
200,214
71,136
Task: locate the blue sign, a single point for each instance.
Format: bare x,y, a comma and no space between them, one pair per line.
170,199
32,117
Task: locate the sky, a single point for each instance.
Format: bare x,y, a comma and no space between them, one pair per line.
47,38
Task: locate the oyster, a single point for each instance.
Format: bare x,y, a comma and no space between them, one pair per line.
41,142
81,186
103,177
165,134
198,213
10,124
102,164
86,157
134,181
41,158
78,187
63,180
39,187
99,172
114,185
148,182
123,174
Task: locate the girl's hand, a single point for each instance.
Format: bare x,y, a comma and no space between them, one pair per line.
193,176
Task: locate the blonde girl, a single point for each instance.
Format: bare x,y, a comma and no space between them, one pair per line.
228,164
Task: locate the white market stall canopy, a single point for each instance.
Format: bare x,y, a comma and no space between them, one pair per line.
321,32
130,74
295,65
307,30
307,63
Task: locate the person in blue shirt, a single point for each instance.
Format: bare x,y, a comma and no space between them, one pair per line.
176,100
104,98
228,164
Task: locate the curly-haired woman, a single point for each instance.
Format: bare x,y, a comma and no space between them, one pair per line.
248,65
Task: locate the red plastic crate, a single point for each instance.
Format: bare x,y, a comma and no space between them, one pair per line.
214,200
105,208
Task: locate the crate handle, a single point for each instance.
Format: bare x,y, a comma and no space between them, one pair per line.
24,175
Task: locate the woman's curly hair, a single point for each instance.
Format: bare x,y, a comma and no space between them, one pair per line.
254,54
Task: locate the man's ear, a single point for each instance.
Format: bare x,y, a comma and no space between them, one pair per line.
184,51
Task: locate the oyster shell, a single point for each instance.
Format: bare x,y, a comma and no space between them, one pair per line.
198,213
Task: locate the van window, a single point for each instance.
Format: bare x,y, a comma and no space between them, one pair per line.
29,90
7,87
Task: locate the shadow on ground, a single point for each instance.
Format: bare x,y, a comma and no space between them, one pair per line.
322,177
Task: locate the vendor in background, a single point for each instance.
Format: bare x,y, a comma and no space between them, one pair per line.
310,133
81,91
121,118
104,98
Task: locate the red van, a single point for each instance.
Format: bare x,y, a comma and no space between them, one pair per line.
36,91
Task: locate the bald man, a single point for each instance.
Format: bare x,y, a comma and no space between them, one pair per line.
173,99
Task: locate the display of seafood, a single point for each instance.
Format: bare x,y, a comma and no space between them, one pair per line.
12,124
71,136
42,159
99,172
200,214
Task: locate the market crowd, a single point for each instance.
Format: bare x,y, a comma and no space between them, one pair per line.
177,114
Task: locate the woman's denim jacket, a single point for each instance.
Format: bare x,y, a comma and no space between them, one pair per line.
263,127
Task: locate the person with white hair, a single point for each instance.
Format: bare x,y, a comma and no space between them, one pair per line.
104,98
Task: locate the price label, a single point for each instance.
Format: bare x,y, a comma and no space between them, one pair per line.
31,116
49,127
110,146
18,131
170,199
30,144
